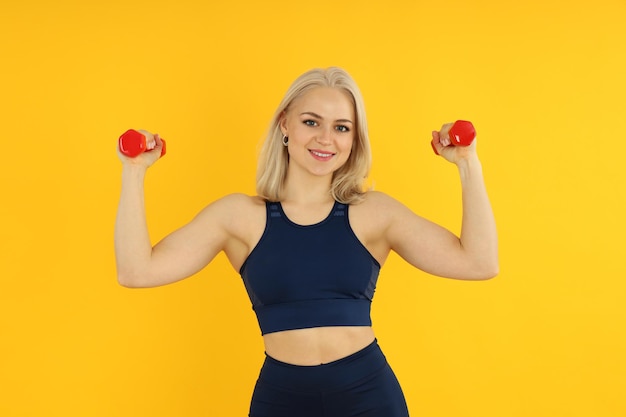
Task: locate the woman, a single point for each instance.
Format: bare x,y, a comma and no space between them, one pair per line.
309,248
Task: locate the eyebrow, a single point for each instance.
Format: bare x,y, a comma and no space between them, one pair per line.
310,113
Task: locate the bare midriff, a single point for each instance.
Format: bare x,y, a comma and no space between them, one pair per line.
319,345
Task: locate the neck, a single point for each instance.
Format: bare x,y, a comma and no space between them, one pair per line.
307,189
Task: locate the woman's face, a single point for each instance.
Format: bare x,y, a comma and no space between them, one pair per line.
320,125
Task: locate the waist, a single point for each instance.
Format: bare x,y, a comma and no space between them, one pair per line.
327,376
319,345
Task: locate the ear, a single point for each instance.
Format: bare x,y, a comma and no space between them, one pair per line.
282,123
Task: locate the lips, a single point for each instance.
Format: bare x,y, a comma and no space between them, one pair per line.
321,155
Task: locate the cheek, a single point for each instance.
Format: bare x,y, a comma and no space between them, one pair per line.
349,145
346,150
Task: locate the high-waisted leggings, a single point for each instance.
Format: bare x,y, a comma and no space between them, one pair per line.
362,384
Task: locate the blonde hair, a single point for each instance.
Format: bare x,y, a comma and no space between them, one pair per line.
347,182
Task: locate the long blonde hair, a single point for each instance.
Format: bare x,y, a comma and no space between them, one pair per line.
347,182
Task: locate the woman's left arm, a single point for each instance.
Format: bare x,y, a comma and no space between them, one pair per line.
479,239
432,248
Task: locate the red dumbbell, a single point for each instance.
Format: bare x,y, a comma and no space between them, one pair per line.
462,133
133,143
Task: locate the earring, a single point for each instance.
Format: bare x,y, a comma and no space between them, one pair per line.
285,140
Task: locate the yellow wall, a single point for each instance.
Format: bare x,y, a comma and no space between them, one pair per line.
543,81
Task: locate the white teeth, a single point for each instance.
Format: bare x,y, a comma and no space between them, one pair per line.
322,155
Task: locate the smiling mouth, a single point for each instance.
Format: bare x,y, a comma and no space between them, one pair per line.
322,155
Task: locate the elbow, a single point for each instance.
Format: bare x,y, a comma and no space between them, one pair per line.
488,275
488,267
487,271
480,270
125,282
130,280
128,284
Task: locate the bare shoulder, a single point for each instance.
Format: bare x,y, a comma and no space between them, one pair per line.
381,211
240,202
376,212
379,203
235,209
378,197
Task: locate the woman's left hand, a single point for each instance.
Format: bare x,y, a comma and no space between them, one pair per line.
444,147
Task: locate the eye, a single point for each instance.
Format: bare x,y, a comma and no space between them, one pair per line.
343,128
310,122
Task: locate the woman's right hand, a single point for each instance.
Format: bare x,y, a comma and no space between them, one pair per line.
154,145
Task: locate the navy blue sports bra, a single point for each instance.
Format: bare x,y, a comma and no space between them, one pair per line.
310,276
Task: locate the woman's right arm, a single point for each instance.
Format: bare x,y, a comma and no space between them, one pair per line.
180,254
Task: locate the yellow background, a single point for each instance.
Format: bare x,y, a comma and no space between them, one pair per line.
543,82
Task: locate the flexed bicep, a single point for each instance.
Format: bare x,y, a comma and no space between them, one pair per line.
183,252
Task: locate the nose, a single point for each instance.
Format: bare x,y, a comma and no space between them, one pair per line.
324,137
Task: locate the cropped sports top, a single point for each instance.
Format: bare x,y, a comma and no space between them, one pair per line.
309,276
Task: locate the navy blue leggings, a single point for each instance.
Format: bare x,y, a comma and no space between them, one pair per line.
361,384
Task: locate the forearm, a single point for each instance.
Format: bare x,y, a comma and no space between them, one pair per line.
133,247
479,238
